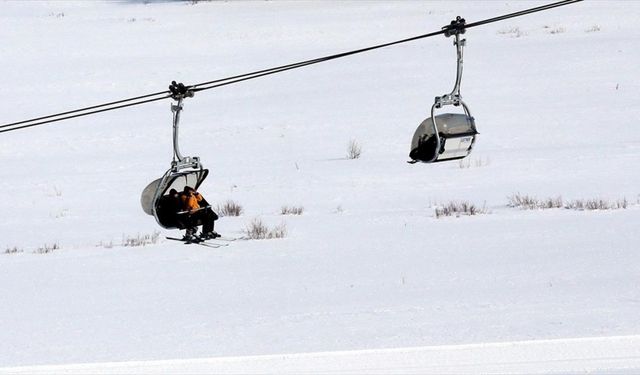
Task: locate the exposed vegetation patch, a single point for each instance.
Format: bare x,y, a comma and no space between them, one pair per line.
557,30
141,240
46,249
458,209
229,208
527,202
147,19
513,32
354,150
257,230
13,250
597,204
593,29
292,210
106,245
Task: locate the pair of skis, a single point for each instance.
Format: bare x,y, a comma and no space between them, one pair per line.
203,242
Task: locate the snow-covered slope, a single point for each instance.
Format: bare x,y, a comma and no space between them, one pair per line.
367,265
585,355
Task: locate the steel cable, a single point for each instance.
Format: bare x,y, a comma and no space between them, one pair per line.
252,75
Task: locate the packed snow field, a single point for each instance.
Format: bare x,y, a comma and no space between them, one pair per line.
368,266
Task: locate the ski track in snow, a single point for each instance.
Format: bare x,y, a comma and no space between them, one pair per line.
367,265
610,355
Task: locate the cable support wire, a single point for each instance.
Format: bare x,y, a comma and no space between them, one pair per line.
261,73
522,13
228,81
28,124
256,74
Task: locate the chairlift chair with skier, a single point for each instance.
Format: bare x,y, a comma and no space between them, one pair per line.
157,199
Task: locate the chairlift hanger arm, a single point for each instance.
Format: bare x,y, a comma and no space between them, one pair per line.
178,92
455,28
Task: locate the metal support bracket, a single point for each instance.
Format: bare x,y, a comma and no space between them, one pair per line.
454,97
455,28
179,92
188,162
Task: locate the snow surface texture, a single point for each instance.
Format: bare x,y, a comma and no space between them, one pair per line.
540,356
367,266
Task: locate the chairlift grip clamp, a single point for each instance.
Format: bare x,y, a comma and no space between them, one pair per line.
180,91
456,27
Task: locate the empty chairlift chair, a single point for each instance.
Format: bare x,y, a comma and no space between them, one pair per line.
448,136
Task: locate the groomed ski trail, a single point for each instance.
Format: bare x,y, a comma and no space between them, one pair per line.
619,354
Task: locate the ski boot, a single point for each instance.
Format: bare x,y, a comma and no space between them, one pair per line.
190,236
209,235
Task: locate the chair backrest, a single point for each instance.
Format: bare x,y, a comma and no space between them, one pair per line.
457,132
155,199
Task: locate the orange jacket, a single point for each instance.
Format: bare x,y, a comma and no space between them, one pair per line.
190,202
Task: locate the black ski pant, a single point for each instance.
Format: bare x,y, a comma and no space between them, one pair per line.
205,216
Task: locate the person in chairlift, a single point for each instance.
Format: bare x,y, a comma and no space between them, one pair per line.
198,210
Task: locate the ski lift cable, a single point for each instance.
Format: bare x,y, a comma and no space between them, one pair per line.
256,74
522,13
228,81
85,114
196,87
85,109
